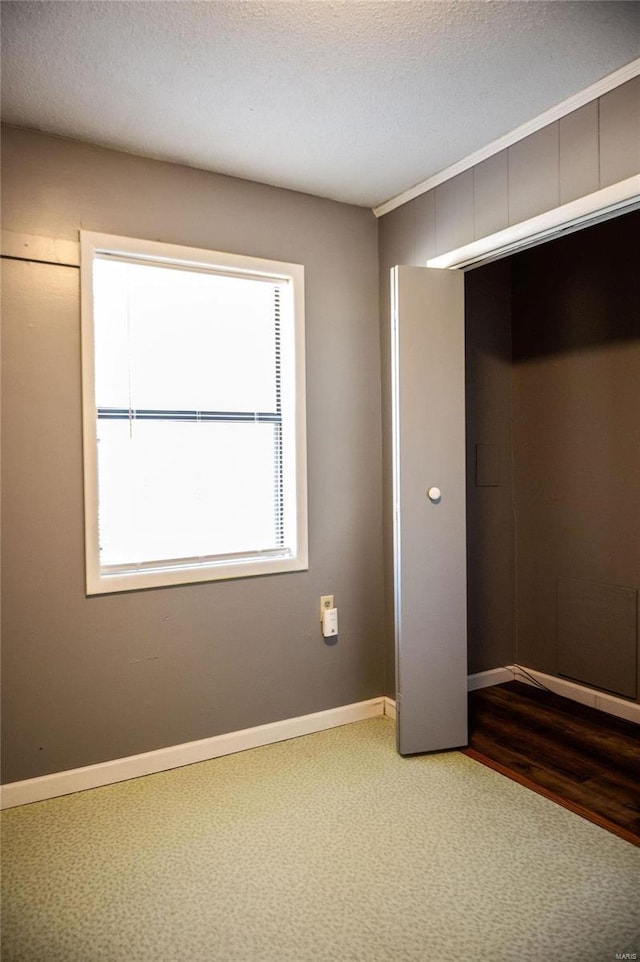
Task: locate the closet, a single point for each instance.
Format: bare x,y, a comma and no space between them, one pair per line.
553,458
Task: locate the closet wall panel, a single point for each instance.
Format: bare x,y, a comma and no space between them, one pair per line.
534,174
620,133
454,212
491,194
579,154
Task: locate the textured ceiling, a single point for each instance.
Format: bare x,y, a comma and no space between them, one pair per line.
352,100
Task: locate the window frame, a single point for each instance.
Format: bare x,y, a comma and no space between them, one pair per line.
291,276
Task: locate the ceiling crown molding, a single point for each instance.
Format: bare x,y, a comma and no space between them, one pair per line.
593,92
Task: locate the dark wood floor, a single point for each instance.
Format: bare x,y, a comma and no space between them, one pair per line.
582,758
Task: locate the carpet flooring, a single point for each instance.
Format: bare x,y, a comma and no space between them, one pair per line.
325,848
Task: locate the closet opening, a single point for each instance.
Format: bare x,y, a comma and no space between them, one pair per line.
553,458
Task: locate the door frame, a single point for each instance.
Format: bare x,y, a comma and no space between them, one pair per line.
612,201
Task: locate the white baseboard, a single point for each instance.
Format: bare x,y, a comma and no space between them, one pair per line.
620,707
485,679
149,763
175,756
630,711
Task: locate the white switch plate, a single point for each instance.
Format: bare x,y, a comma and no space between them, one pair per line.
326,602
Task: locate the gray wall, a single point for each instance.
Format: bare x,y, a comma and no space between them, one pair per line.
491,570
553,457
86,680
576,442
593,147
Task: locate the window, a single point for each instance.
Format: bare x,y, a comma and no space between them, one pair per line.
194,417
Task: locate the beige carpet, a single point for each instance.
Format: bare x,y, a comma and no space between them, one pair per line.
326,847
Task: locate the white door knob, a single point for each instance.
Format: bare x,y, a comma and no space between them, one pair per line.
434,495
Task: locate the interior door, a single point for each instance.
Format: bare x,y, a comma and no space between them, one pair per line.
428,398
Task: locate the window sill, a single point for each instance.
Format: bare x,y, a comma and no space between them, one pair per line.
171,576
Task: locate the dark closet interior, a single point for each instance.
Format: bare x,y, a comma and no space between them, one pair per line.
553,458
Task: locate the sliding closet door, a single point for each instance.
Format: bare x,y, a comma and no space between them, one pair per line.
429,508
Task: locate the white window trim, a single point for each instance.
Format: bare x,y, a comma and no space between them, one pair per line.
92,243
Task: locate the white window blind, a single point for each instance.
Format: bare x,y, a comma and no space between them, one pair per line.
196,420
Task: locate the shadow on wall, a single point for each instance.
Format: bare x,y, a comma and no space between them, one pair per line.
579,291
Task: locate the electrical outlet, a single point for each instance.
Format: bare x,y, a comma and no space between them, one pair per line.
326,602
